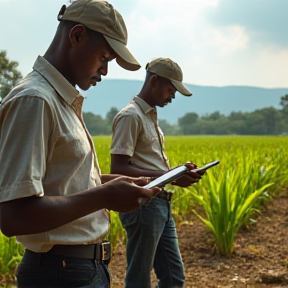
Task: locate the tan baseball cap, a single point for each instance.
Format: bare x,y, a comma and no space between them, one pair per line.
169,69
101,16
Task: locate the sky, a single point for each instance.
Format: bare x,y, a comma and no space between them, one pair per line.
215,42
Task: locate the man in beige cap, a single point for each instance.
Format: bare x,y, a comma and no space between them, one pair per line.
51,195
137,149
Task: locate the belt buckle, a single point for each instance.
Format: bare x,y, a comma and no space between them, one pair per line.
169,197
103,252
106,251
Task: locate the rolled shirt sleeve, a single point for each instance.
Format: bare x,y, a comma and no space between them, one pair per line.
125,134
25,128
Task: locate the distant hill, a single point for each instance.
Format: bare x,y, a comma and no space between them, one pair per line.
205,99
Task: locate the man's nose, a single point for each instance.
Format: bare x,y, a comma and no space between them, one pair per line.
104,69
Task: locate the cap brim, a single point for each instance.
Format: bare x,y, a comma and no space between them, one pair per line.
180,88
125,59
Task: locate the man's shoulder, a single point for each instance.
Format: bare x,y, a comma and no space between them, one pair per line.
129,113
133,108
32,85
130,109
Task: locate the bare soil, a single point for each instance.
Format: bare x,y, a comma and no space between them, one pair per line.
260,258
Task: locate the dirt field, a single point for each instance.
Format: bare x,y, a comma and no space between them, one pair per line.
260,258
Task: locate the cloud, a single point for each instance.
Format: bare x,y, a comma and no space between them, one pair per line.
216,42
265,21
179,31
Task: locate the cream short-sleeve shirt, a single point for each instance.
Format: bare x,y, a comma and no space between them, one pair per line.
45,149
136,133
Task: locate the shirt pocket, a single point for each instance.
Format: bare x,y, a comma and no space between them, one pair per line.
72,149
149,137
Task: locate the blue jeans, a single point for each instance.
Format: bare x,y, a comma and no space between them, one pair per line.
152,242
52,271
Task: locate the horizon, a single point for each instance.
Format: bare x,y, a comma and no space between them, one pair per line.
185,83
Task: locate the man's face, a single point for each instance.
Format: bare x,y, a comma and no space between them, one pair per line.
90,59
164,92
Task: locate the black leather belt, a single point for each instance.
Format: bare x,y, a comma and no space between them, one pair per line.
98,252
165,195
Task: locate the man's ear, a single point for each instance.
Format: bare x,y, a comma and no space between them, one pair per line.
153,80
76,34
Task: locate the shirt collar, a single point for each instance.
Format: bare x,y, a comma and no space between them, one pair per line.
56,80
146,108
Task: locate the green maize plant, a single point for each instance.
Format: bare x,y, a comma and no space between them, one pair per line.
227,199
11,254
117,234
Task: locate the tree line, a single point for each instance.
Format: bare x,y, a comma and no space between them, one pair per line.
265,121
9,75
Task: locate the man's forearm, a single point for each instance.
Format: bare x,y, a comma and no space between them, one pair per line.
33,214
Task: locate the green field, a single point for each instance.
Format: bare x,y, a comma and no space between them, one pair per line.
251,171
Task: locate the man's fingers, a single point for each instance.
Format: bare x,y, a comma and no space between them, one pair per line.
149,193
155,191
145,200
194,175
202,172
190,165
142,181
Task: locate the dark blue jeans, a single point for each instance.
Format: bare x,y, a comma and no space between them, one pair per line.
52,271
152,242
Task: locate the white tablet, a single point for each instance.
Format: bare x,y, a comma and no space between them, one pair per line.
175,173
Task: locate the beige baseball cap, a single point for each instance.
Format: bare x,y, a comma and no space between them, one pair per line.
101,16
169,69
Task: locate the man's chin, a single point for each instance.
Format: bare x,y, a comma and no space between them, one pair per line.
86,86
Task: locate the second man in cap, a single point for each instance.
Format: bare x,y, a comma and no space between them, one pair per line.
138,150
